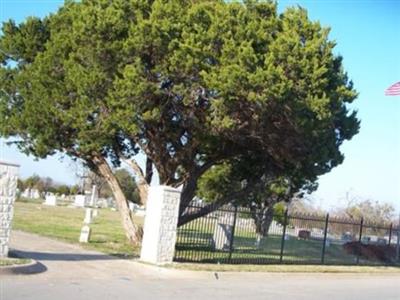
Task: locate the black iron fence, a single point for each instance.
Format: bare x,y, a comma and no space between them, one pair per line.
229,235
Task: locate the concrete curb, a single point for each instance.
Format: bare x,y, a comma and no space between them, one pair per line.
32,267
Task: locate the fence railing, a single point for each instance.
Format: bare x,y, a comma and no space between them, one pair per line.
229,235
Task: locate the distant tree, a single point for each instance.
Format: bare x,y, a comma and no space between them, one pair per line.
128,185
304,206
48,185
191,84
372,211
100,182
279,213
63,189
21,185
74,190
33,181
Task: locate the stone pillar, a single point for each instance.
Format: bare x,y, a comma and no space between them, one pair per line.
8,188
159,232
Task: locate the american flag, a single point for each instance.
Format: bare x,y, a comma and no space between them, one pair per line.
393,90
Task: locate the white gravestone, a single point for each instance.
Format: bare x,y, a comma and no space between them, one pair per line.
50,200
8,188
88,216
159,232
81,200
223,233
85,234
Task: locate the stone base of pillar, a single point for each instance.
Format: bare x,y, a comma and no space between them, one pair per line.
8,187
160,225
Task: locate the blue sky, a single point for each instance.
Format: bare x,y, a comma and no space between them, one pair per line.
368,37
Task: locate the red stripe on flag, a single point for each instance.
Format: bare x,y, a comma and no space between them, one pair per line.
393,90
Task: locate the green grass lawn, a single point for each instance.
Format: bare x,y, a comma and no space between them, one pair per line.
64,223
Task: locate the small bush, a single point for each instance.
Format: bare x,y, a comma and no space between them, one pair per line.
381,253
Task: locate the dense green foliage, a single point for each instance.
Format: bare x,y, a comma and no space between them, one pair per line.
191,84
128,185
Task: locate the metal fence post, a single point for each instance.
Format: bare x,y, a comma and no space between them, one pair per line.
232,234
398,244
285,221
325,235
359,240
390,233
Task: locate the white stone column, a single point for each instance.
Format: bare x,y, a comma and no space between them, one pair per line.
8,188
159,232
93,196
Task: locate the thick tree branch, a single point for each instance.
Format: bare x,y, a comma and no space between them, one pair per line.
189,216
149,170
142,183
190,185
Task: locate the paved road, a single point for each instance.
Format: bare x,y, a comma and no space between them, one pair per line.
74,273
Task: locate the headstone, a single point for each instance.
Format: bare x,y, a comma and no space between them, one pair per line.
381,241
304,234
257,243
34,194
85,234
95,213
366,240
88,216
25,193
8,188
347,237
50,200
327,243
110,202
159,232
80,200
223,233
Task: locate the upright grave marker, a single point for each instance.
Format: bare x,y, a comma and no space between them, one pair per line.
50,200
223,233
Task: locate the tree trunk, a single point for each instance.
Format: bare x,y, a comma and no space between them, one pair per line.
262,220
142,184
132,231
143,192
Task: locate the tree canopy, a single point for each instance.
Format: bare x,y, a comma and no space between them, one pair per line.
191,84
